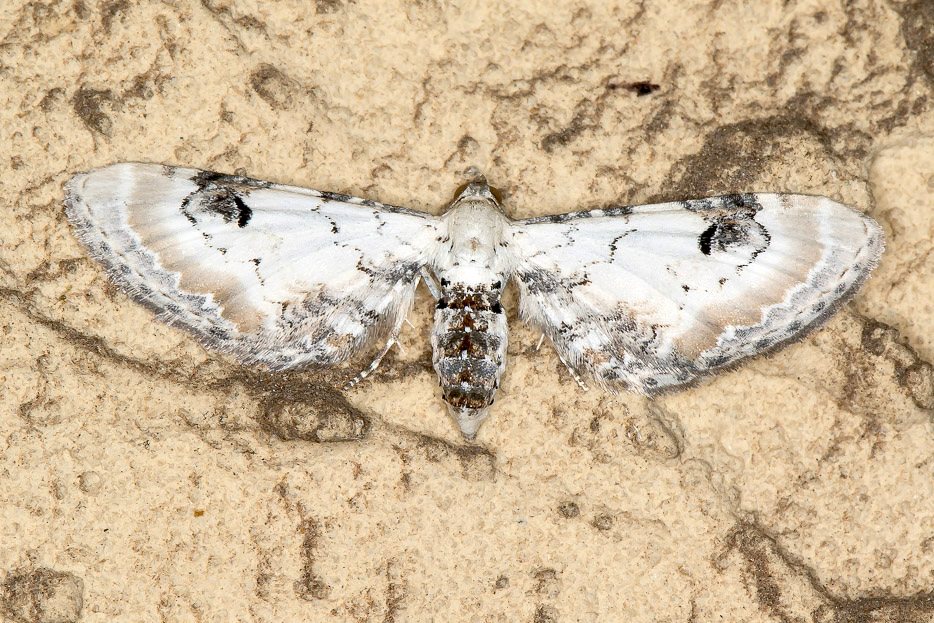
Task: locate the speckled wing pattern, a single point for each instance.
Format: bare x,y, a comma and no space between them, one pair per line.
273,274
644,298
652,297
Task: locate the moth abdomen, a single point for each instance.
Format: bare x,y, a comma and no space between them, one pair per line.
468,342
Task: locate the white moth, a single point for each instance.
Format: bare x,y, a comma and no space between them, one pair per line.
645,298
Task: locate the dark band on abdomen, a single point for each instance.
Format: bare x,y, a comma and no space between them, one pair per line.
469,346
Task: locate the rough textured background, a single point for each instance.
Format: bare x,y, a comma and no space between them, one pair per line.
143,479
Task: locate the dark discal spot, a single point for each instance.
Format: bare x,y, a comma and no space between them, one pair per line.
496,308
219,201
705,239
221,195
726,234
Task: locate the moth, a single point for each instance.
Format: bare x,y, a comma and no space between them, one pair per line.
644,298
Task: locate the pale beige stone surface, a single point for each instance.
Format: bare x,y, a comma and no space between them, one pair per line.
165,483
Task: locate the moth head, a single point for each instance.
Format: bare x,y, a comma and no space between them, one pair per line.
478,190
469,420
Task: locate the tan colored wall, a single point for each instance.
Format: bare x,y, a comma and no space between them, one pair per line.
152,476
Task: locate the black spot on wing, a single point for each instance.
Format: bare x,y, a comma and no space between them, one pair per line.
727,234
221,195
218,202
705,239
244,213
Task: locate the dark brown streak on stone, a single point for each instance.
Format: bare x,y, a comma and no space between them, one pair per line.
274,86
110,10
912,373
223,14
918,32
750,542
478,463
42,595
395,595
89,343
272,389
767,563
733,156
291,408
89,105
310,587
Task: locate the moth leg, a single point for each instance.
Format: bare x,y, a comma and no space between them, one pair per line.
379,357
430,282
573,373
